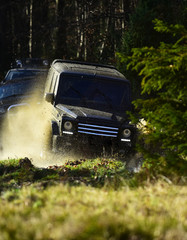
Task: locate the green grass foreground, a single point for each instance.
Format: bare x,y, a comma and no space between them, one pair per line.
95,199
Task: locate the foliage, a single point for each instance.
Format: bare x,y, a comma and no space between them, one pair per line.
140,32
84,30
140,27
96,172
63,209
163,71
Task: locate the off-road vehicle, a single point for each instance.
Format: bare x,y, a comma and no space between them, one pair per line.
16,95
30,68
23,73
89,107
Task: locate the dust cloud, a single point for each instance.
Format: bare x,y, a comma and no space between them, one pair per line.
24,131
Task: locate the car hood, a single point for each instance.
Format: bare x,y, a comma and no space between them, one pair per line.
83,112
13,100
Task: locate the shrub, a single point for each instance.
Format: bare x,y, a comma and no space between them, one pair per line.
163,71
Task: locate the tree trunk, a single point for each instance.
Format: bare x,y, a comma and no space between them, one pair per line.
30,28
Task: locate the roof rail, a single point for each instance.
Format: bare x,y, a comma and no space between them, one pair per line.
30,63
83,63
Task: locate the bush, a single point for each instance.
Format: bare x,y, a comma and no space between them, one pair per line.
163,71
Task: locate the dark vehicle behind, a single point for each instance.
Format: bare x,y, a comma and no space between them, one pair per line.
18,94
23,73
30,68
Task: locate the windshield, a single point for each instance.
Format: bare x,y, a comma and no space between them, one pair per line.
16,89
97,93
14,74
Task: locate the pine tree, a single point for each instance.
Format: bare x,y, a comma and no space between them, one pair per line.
163,71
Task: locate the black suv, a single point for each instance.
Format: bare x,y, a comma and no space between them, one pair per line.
30,68
24,73
16,95
90,104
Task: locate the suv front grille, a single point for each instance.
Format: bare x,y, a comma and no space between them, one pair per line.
97,130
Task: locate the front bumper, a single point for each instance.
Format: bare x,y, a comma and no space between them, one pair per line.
81,141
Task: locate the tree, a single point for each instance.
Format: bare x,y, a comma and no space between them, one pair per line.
163,71
140,30
72,29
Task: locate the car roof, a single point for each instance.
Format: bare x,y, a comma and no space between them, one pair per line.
64,66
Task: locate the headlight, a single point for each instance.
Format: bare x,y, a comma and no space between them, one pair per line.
68,125
126,133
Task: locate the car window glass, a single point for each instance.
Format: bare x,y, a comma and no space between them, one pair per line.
15,89
13,74
101,92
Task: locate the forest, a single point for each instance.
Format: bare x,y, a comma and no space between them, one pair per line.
81,29
145,40
99,198
84,30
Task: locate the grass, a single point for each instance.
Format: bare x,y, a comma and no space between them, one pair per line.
96,172
88,199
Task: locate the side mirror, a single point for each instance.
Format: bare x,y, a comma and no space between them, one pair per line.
49,97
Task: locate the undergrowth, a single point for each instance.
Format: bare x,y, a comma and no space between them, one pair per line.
89,199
